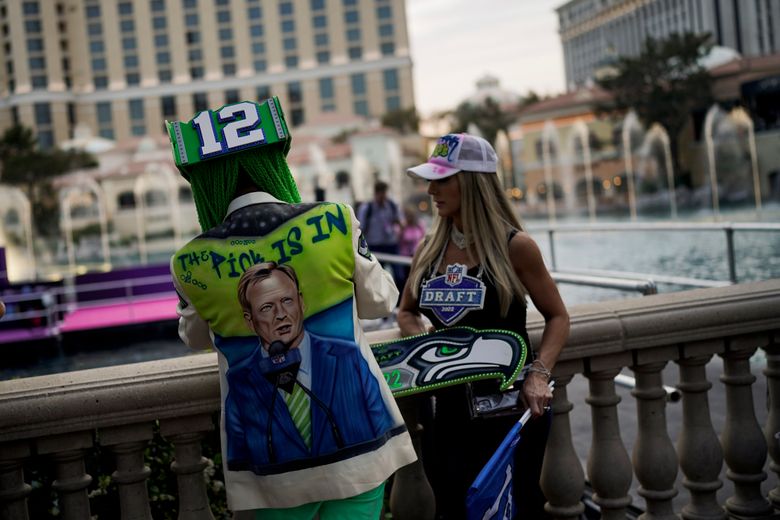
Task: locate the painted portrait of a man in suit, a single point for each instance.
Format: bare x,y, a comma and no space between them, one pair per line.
299,400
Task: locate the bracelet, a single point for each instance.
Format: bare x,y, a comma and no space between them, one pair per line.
541,369
546,373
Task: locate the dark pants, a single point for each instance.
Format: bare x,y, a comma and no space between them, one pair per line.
456,447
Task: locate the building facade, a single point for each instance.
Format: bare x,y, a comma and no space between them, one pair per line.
595,32
122,67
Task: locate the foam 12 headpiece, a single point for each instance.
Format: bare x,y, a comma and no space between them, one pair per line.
237,127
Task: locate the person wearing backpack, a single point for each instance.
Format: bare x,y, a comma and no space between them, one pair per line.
380,220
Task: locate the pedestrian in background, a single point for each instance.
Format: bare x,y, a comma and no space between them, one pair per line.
380,220
412,233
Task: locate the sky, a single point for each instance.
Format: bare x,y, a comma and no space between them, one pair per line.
456,42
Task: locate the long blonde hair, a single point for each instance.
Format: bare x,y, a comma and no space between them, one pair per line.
487,219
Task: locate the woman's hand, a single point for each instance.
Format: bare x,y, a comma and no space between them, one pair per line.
536,393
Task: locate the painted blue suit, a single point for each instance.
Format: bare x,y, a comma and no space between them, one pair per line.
340,378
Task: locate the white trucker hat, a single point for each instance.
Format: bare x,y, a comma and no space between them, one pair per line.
454,153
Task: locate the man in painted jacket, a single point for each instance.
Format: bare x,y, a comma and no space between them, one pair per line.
250,211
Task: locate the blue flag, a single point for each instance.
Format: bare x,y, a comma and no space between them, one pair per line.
490,496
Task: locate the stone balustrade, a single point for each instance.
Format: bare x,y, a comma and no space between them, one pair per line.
62,417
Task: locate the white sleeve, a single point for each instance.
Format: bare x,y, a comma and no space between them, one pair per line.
193,330
375,291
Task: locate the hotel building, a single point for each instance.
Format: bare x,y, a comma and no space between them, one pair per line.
122,67
595,32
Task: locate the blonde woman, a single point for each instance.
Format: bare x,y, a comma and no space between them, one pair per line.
476,236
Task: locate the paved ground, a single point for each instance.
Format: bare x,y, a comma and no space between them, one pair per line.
581,421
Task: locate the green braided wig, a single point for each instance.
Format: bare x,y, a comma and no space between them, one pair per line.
214,182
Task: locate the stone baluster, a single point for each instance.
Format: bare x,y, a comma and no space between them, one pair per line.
772,427
13,489
67,452
128,444
744,447
654,458
563,481
186,434
609,467
412,496
701,457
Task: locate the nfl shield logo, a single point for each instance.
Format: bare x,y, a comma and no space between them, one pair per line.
454,274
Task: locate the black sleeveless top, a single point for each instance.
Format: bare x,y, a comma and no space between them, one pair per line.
489,317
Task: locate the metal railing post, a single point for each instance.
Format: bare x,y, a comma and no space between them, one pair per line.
551,235
730,253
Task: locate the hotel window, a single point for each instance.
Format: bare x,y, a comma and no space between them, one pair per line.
384,12
227,52
104,119
320,21
317,5
200,101
327,99
351,17
285,8
130,57
354,50
360,107
32,26
30,8
231,96
392,103
256,33
37,63
263,92
42,114
359,101
289,43
321,39
192,35
136,110
390,81
161,42
387,48
35,49
295,99
168,105
358,84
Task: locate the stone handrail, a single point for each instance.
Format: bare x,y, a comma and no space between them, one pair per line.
61,416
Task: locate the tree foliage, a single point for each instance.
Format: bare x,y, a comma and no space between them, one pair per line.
404,120
664,84
32,169
488,116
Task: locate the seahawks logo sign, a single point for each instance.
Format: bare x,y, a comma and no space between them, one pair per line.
449,357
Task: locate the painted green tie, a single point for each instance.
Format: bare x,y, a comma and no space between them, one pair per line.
300,411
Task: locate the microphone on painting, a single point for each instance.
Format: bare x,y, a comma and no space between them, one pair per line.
281,366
